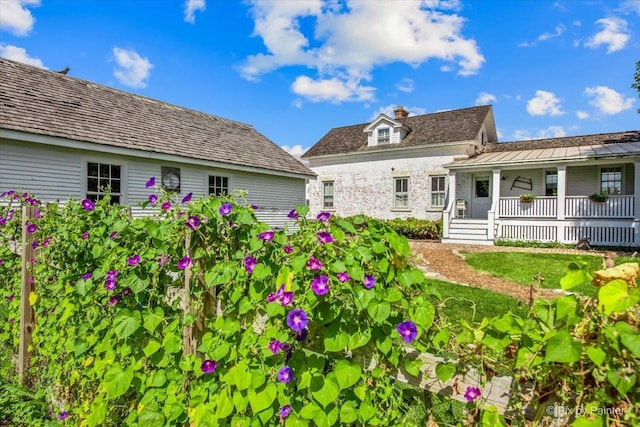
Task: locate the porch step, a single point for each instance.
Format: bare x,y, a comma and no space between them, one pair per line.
468,241
468,231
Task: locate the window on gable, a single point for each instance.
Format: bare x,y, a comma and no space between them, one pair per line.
102,179
383,136
218,185
401,192
327,195
438,191
611,180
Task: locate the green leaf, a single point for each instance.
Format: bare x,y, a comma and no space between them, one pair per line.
261,272
240,401
348,412
366,412
137,284
117,381
347,226
576,275
224,405
324,390
614,297
358,339
152,318
629,337
596,354
151,416
594,420
96,251
445,371
413,366
622,383
384,344
264,399
347,374
172,343
423,314
379,311
126,322
491,417
97,413
337,342
562,348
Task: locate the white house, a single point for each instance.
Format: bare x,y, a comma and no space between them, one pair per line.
393,167
450,166
63,137
585,187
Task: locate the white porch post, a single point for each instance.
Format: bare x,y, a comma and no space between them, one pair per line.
495,200
453,187
562,191
636,196
449,211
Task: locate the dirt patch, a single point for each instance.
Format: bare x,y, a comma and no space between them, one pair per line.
446,262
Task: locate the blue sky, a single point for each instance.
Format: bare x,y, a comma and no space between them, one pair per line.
295,69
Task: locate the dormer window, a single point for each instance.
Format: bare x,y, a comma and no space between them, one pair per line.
383,136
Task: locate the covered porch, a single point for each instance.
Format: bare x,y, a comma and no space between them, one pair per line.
551,195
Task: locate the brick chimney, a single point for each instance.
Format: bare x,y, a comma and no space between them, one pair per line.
401,113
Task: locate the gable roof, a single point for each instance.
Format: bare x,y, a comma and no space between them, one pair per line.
435,128
616,144
37,101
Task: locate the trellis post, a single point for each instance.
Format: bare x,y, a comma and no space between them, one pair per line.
27,314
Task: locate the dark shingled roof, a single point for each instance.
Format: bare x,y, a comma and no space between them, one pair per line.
435,128
565,141
42,102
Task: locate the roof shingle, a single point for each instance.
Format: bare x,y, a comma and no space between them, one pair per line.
37,101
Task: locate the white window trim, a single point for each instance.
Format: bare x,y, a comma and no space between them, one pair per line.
394,207
124,176
222,175
333,196
444,192
388,139
622,177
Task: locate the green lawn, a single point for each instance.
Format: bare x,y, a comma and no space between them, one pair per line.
473,304
521,267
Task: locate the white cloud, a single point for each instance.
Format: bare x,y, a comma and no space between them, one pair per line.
333,89
550,132
190,8
388,110
614,35
295,151
19,54
607,100
544,104
582,115
345,46
16,18
558,32
405,85
297,103
485,98
133,70
630,6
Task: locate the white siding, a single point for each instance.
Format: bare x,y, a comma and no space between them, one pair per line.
53,173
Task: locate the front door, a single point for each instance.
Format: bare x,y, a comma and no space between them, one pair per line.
481,200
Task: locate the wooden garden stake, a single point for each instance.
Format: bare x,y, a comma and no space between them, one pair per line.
27,314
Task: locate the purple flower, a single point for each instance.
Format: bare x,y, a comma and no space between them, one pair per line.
63,415
267,236
292,214
287,249
110,284
151,182
87,276
46,242
286,298
31,280
85,235
133,260
275,346
343,277
153,199
111,275
31,227
184,263
297,319
254,207
225,209
34,244
88,205
192,222
114,235
10,298
187,198
320,285
472,393
407,331
285,374
208,366
249,263
166,206
302,335
126,291
325,237
37,214
163,260
3,221
113,300
323,216
314,264
285,411
369,281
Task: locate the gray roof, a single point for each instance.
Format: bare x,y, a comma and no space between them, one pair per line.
618,144
42,102
446,126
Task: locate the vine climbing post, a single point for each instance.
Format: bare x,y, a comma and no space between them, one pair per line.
27,314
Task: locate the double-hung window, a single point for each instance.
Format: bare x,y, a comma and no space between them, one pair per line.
103,178
218,185
401,192
383,136
611,180
327,195
438,191
551,183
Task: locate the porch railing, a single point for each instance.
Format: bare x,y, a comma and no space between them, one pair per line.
613,207
618,206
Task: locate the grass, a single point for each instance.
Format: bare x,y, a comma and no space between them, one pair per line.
521,267
473,304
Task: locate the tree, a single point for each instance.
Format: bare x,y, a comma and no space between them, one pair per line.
636,78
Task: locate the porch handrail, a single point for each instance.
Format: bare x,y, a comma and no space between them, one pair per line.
615,206
540,207
446,217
